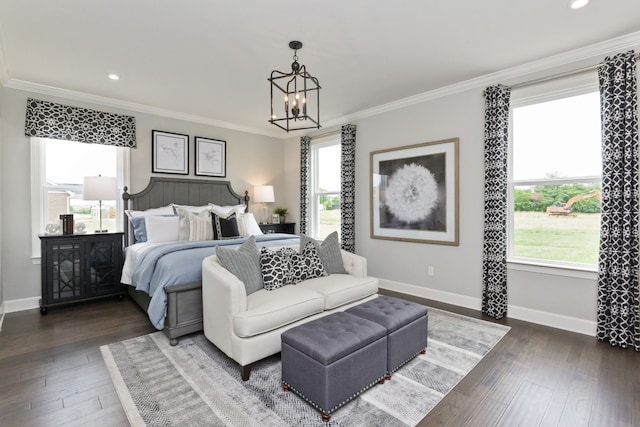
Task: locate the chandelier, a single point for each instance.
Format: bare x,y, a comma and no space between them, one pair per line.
299,93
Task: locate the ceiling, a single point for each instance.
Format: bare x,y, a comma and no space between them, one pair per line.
210,59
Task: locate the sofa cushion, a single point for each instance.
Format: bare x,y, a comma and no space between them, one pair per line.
328,250
244,263
268,310
341,289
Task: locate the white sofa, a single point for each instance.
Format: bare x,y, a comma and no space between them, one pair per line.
248,328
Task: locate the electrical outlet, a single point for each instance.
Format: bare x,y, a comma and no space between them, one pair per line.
430,271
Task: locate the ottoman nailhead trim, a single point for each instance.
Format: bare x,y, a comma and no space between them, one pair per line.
291,388
406,361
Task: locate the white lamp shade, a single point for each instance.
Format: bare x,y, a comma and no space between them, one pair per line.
100,188
263,194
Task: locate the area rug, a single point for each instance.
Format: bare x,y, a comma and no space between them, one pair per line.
195,384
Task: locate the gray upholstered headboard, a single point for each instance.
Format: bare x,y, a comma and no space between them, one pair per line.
194,192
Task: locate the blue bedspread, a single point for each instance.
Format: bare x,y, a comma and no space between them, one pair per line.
181,263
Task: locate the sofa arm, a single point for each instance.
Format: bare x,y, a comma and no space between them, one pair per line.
223,295
355,265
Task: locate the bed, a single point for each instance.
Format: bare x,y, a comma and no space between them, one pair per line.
165,278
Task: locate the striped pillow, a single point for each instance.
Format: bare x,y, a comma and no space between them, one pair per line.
194,227
244,263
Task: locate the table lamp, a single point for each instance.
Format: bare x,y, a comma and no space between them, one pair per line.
263,194
100,188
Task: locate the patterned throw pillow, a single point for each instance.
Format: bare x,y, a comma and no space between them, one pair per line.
225,228
276,267
307,265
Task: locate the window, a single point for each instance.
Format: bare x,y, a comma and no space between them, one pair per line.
58,171
325,212
555,180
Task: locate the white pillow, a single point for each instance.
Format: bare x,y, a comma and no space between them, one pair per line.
165,210
194,209
225,211
248,225
162,228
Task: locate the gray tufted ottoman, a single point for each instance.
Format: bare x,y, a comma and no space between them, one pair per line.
331,360
406,324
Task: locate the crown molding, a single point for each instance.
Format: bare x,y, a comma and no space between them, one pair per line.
594,52
517,74
131,106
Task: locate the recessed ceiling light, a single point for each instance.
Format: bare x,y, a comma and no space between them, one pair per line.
114,76
577,4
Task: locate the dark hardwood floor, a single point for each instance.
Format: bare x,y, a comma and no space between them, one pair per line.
51,369
52,373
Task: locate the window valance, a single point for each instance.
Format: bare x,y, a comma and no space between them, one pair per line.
50,120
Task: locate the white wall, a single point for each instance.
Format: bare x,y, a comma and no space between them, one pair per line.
2,309
251,160
555,300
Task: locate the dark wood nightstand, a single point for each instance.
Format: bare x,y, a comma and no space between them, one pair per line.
287,228
80,267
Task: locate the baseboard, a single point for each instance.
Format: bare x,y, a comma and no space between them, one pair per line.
553,320
1,314
11,306
572,324
419,291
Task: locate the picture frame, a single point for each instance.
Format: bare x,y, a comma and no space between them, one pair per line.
275,219
414,193
169,152
211,157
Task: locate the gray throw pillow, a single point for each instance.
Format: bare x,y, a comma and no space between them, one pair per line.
329,252
244,263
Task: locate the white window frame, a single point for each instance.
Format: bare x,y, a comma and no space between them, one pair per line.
548,91
38,202
315,193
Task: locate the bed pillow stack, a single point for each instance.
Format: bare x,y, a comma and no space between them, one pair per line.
185,223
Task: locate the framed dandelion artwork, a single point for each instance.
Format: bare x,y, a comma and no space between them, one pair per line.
414,193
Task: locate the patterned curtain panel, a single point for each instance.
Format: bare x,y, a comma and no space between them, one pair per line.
50,120
618,292
348,190
494,260
305,182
